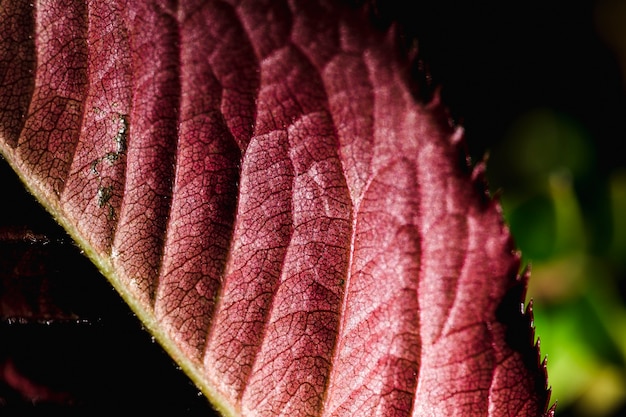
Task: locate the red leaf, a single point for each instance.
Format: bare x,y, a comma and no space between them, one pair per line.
261,186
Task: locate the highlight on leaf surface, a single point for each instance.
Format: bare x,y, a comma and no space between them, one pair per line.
259,182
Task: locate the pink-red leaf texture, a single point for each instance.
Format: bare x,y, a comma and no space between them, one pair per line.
261,184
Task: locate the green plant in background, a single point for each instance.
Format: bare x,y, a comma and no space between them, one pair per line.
575,263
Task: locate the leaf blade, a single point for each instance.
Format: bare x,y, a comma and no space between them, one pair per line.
313,208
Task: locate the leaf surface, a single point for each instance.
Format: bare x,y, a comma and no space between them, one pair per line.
259,182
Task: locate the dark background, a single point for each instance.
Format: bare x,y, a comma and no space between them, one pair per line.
538,85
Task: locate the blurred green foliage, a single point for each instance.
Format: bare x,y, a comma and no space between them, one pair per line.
578,267
540,86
